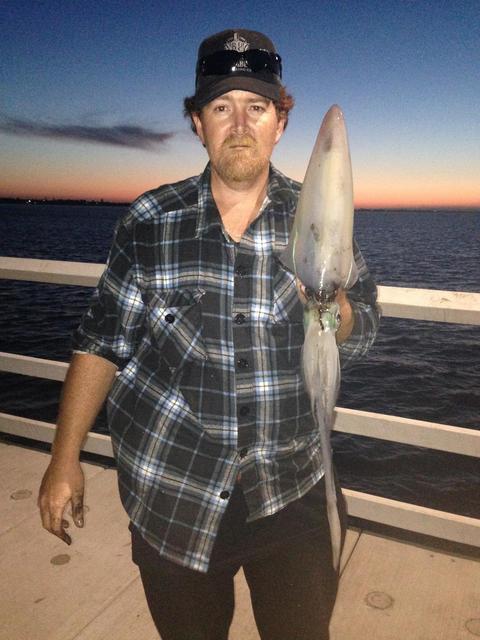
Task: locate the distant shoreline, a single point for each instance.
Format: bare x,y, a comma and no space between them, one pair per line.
108,203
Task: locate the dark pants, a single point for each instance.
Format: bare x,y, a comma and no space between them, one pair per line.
287,563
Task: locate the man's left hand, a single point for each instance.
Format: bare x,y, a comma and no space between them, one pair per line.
344,307
346,316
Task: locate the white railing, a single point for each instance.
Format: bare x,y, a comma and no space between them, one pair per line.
418,304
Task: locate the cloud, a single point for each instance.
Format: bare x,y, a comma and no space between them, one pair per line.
132,136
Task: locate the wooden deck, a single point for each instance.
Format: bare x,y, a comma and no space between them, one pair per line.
390,590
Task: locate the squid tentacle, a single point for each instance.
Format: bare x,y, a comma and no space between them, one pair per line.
321,368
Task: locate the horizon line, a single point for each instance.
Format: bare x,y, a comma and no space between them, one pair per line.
360,207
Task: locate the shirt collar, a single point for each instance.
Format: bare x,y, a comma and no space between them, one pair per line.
281,190
279,195
208,215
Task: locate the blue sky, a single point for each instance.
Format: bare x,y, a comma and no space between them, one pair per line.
405,73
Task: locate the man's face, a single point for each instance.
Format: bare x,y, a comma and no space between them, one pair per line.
239,130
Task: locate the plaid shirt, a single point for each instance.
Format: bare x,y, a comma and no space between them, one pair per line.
208,334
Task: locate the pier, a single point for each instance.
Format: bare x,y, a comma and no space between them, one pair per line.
397,583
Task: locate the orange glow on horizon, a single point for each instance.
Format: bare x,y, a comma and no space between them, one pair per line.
114,189
413,201
370,192
128,194
121,194
412,195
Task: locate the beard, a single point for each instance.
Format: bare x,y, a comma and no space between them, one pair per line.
240,163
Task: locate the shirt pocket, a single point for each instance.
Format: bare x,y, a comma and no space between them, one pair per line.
286,303
175,322
286,326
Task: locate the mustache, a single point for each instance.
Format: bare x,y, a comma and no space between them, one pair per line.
126,135
244,140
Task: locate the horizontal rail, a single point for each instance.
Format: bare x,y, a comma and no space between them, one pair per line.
412,517
460,307
403,515
85,274
44,432
34,367
399,302
353,421
419,433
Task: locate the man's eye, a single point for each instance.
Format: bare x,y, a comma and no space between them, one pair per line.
259,108
220,107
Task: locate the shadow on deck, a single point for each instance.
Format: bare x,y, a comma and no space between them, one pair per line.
390,590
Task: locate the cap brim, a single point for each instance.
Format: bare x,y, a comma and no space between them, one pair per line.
216,87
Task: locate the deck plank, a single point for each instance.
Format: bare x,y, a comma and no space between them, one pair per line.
125,618
128,617
98,594
21,473
48,601
393,590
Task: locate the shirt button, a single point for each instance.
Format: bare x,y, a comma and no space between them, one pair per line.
243,453
239,318
244,411
242,363
169,318
241,271
224,495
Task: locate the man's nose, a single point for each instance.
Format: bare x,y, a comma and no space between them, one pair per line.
239,120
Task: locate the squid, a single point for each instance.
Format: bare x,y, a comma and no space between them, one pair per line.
320,254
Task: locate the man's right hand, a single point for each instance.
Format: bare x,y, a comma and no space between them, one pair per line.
88,381
61,484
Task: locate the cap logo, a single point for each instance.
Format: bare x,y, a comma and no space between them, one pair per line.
236,43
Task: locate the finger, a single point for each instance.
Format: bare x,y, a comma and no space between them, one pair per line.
77,509
45,516
58,530
301,290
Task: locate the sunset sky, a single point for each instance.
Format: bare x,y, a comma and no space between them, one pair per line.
91,93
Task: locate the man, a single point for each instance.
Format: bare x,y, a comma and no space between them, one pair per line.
219,462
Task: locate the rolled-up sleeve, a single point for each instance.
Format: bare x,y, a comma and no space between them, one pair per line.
363,298
113,324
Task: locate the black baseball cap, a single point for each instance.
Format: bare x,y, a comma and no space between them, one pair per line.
237,59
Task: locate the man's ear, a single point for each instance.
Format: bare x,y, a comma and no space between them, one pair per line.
280,128
198,126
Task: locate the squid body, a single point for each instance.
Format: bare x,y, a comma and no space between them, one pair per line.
320,253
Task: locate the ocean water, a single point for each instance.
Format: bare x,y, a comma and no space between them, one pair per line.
423,370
